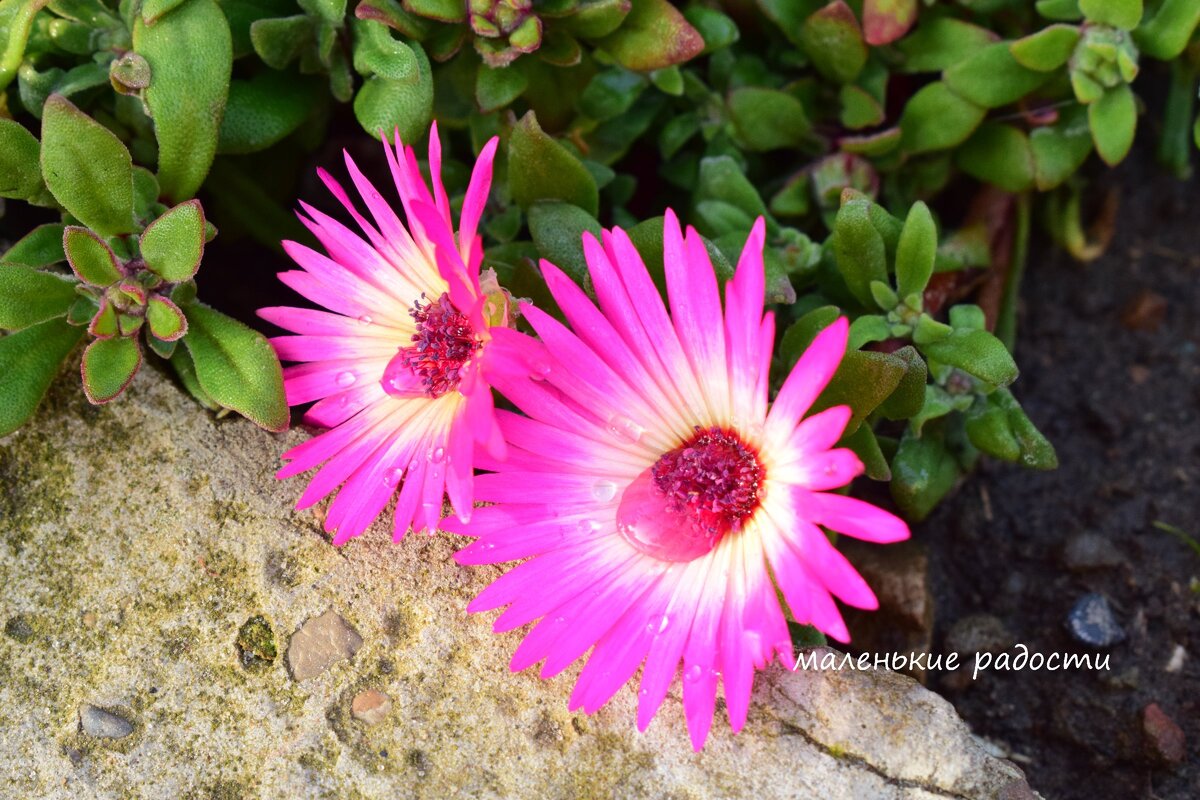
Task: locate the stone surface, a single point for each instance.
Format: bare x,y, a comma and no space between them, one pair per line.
370,706
1092,621
190,537
899,576
978,633
320,643
1164,738
103,724
1090,551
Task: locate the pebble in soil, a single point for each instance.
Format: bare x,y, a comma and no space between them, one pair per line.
1092,622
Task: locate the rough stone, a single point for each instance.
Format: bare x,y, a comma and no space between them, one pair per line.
103,724
320,643
978,633
1092,621
171,550
370,706
1164,738
899,576
1089,551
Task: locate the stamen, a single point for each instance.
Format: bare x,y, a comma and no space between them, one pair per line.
444,341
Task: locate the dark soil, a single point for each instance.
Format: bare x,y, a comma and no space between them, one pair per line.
1119,395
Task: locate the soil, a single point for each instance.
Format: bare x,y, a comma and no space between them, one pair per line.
1111,374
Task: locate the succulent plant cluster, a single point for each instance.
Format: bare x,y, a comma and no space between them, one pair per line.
842,123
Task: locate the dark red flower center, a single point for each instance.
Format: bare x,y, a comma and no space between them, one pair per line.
680,508
713,478
443,343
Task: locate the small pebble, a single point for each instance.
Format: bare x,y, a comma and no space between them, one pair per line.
320,643
1145,312
370,706
1178,656
1090,551
1164,738
1092,622
103,724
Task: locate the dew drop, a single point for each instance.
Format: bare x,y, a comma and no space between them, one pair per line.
830,469
365,319
539,370
626,429
604,490
664,623
588,526
393,476
346,378
694,673
437,455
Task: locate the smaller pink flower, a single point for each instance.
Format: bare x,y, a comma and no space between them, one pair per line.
657,502
395,364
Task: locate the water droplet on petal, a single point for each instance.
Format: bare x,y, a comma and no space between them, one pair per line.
588,526
437,455
346,378
663,623
647,522
604,490
365,319
624,428
539,370
392,477
694,673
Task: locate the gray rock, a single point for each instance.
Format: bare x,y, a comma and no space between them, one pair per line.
103,724
320,643
176,541
1089,551
1092,622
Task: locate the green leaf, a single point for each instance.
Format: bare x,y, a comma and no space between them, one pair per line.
173,244
596,19
440,10
165,319
20,172
377,52
539,168
91,259
909,395
868,328
916,250
185,368
1166,34
768,119
863,380
988,430
557,230
833,41
496,88
190,53
967,315
383,105
866,447
29,296
938,43
935,118
647,238
977,353
801,333
923,472
722,178
1060,10
1123,14
861,256
280,40
999,154
263,110
86,168
717,30
108,367
29,360
1113,120
992,77
41,247
1046,50
1060,149
153,9
611,93
236,367
654,35
1036,450
860,109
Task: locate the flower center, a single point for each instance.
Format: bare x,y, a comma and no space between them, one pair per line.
443,343
680,507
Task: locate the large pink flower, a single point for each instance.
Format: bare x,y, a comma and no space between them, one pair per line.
653,492
395,364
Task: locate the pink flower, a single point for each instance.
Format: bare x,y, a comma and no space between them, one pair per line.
395,363
654,492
